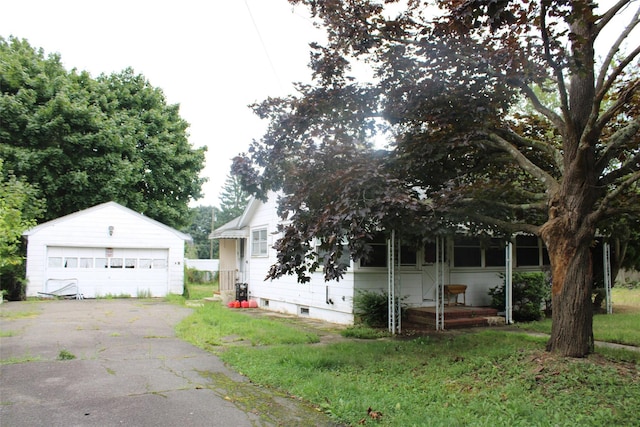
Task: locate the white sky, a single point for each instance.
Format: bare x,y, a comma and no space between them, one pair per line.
213,57
207,56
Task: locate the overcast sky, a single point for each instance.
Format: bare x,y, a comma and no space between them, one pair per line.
212,57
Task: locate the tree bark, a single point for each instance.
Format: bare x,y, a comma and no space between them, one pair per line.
572,318
570,230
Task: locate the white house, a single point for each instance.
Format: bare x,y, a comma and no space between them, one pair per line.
105,250
421,277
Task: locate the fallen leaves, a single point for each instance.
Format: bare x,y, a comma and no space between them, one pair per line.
374,415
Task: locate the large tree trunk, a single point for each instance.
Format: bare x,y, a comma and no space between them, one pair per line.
570,229
572,327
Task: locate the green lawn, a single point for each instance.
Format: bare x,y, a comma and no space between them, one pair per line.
488,378
622,327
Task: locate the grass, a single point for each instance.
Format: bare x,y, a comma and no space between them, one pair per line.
12,315
198,291
488,378
213,325
66,355
620,327
22,359
194,292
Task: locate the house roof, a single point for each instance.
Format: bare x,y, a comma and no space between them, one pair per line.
230,230
95,208
237,228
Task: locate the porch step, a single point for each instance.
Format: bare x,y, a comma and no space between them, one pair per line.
454,317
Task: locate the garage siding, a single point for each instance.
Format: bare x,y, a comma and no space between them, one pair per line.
101,272
110,250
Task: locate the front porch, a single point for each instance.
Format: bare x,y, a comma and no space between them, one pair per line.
424,318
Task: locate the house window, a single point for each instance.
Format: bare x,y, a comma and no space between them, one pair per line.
345,257
467,252
101,263
378,255
527,251
145,263
259,242
86,262
408,255
494,253
115,262
130,263
431,251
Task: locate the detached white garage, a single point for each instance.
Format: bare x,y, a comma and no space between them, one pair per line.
105,250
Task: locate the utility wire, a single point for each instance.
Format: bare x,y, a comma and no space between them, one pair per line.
264,46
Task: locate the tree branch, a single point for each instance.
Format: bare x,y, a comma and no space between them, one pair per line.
622,100
548,181
542,205
599,213
601,87
616,141
547,148
557,69
548,113
628,167
508,226
609,15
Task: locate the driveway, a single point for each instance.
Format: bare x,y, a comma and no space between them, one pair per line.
129,370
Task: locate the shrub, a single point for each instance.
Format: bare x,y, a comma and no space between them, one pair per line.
530,292
372,308
13,282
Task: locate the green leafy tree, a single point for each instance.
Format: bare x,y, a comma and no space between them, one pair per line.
446,82
85,141
233,200
19,209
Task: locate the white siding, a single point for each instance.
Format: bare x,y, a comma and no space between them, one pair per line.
331,301
87,232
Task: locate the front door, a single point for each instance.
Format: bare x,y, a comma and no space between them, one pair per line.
430,268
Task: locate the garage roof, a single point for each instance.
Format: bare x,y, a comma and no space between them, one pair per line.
65,218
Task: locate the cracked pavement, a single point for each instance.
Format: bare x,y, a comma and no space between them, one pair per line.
129,370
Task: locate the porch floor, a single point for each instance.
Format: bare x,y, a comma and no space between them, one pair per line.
454,317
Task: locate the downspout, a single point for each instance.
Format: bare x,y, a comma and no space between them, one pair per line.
391,283
508,284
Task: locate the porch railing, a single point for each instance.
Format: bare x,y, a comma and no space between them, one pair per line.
228,279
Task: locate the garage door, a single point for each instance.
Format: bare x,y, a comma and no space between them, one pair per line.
102,272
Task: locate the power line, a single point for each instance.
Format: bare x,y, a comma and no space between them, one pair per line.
264,46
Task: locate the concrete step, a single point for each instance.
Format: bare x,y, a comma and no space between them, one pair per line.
454,317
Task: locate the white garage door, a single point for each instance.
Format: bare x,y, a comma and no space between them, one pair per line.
102,272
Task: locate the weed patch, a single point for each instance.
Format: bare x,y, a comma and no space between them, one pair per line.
23,359
66,355
210,325
12,315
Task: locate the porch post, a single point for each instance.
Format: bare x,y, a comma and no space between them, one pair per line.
606,266
391,288
440,247
508,284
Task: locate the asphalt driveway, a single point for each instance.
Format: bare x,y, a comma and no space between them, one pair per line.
129,370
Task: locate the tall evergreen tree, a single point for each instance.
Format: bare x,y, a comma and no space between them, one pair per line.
200,229
233,200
